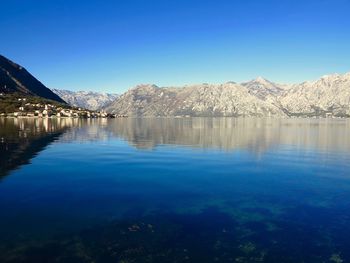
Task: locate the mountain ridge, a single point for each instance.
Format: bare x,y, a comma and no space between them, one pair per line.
327,96
15,78
90,100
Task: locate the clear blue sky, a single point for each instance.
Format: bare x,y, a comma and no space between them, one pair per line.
114,45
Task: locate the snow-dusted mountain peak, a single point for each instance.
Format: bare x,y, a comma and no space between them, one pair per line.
263,88
86,99
261,80
327,96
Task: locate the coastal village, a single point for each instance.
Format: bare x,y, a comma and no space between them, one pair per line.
47,110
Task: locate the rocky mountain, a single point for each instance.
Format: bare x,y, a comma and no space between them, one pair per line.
263,88
329,96
15,78
228,99
18,148
86,99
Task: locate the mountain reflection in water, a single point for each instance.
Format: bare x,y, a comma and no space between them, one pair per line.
23,139
256,135
174,190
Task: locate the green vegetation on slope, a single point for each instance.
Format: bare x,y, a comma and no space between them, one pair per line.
12,101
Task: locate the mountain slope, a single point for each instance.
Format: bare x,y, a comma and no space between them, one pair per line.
228,99
15,78
264,89
86,99
328,96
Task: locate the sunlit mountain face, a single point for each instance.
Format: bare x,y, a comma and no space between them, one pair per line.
327,97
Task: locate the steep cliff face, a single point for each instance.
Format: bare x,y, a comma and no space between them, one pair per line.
328,96
15,78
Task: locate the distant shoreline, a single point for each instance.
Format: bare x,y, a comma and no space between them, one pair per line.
173,117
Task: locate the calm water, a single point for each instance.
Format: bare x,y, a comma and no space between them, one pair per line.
175,190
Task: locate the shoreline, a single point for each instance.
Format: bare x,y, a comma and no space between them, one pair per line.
171,117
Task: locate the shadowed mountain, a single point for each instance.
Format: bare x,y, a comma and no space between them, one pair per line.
22,139
15,78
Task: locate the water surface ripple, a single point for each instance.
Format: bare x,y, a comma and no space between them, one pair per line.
175,190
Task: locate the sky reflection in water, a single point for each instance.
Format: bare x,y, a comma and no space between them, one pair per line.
165,190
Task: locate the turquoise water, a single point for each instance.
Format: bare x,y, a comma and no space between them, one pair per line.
175,190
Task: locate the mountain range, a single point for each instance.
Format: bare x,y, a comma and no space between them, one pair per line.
86,99
328,96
